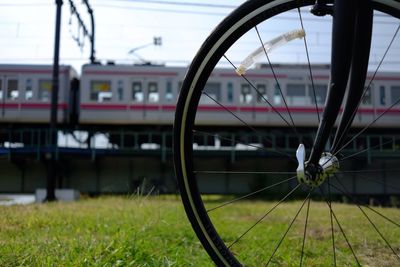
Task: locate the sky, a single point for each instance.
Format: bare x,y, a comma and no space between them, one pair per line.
27,32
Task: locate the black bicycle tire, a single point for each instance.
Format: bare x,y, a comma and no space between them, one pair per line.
199,70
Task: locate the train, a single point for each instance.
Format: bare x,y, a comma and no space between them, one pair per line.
137,95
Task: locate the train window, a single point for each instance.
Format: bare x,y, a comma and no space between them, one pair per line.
213,90
45,90
382,95
100,91
367,99
320,93
395,92
277,95
169,96
28,89
120,90
137,92
230,92
296,94
262,93
153,95
12,89
245,94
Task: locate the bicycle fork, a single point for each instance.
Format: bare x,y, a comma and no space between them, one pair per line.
351,39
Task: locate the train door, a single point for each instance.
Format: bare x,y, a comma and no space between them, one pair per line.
247,103
167,101
152,100
296,94
300,111
261,100
391,102
137,100
210,104
317,93
145,100
9,93
367,110
45,86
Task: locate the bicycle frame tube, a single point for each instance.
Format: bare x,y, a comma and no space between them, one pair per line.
358,73
344,55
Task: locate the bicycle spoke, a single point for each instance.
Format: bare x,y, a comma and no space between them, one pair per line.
233,114
288,229
238,118
276,78
367,127
374,226
340,227
278,93
293,127
355,200
367,149
309,65
249,145
305,232
370,171
264,216
331,218
369,84
243,172
383,216
384,55
251,194
379,232
379,182
361,173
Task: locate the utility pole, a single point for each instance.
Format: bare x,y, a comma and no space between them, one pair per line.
51,157
51,161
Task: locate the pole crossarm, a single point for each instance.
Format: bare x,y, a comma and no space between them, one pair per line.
82,25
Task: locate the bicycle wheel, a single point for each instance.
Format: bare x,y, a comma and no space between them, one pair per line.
237,134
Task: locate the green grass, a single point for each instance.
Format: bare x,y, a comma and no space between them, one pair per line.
154,231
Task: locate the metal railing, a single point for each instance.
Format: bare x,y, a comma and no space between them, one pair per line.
37,142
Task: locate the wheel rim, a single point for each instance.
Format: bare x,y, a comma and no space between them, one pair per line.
187,171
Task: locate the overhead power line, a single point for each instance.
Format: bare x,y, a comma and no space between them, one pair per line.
221,14
162,10
25,5
177,3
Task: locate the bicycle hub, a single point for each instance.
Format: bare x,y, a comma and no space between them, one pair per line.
313,175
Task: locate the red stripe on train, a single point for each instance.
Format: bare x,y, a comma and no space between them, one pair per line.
42,105
168,107
9,105
104,107
212,108
119,107
31,105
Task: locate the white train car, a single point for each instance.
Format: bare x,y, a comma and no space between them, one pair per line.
258,100
122,94
146,95
129,95
25,93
